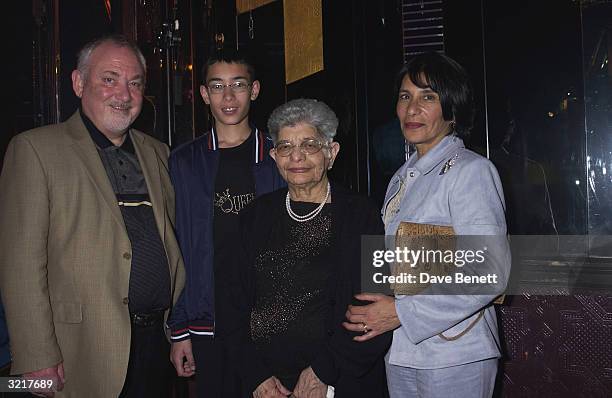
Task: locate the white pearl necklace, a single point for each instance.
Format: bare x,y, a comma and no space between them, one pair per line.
309,216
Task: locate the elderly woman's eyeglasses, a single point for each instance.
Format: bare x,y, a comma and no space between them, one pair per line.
309,146
236,87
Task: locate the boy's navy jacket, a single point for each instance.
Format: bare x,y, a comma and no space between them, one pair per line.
193,169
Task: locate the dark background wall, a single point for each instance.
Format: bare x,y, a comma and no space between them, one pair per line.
543,91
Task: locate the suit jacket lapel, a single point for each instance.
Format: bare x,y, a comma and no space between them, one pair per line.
87,152
149,163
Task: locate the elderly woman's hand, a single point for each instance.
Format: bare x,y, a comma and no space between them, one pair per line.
372,319
309,385
271,388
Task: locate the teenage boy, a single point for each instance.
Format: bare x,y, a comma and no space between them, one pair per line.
215,176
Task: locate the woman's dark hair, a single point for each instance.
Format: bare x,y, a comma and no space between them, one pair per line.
450,81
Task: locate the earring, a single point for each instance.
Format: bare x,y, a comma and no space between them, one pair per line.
452,125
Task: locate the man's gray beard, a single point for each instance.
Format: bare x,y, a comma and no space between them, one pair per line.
119,125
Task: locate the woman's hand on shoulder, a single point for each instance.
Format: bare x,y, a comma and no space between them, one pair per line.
309,385
373,319
271,388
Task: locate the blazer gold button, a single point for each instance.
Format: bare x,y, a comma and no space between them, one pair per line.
127,255
126,300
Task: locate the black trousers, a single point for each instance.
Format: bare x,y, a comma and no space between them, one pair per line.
216,367
149,372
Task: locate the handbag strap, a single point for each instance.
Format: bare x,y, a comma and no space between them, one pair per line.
467,329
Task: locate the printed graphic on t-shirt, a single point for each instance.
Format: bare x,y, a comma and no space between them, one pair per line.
229,203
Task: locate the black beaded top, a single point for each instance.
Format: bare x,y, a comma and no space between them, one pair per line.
293,277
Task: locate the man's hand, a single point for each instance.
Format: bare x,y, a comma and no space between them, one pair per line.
309,385
271,388
372,319
181,357
55,373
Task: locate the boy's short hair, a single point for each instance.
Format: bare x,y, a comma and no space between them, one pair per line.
229,56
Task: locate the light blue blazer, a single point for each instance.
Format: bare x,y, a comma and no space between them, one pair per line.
450,186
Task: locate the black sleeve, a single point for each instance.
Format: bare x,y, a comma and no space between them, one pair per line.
341,353
252,369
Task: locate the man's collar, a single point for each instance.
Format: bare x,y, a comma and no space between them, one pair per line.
101,140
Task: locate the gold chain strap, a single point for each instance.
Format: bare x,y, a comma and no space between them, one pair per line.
467,329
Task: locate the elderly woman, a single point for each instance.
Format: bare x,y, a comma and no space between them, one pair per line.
443,345
302,247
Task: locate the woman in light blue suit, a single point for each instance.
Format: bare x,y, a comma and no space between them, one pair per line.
444,344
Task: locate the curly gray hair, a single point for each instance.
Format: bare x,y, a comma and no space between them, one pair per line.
307,111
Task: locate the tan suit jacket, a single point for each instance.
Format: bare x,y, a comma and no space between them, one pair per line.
65,255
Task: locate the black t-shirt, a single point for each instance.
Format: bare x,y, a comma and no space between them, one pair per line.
234,189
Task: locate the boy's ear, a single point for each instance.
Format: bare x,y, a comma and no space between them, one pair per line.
255,90
204,94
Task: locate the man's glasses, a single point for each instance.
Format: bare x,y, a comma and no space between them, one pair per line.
236,87
309,146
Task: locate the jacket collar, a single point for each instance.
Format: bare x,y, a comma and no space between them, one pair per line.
445,149
85,149
259,141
